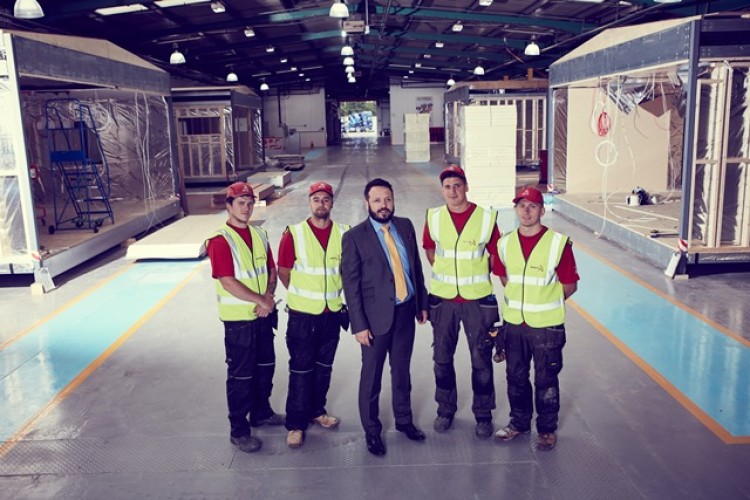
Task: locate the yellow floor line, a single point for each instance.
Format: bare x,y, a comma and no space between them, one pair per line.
726,331
63,308
698,413
81,377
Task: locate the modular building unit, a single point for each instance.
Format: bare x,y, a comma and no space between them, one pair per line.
649,133
219,132
127,100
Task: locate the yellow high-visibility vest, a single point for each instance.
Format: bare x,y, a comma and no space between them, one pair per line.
533,294
250,269
315,280
461,264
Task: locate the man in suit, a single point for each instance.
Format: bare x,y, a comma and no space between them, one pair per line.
385,292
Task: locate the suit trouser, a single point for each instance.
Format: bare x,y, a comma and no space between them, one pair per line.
312,340
446,318
250,362
397,344
544,345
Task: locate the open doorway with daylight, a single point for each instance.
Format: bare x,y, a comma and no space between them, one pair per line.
359,119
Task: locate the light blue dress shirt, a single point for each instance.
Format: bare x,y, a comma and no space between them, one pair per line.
401,252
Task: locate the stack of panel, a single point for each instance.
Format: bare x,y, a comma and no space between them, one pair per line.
488,153
417,140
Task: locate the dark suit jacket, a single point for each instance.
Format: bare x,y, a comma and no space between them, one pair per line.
369,287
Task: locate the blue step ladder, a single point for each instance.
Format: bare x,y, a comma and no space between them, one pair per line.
79,164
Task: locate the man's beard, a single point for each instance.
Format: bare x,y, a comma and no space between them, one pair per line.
321,214
381,218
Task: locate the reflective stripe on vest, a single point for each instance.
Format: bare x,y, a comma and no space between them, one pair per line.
250,269
533,294
461,264
315,279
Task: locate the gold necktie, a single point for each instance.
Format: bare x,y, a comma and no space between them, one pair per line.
398,269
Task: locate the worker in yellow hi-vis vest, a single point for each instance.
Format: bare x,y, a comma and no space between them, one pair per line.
245,274
310,269
459,239
538,271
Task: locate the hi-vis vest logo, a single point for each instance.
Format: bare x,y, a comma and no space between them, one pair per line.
539,268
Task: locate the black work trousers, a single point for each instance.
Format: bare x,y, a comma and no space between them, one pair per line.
446,318
312,340
544,345
250,362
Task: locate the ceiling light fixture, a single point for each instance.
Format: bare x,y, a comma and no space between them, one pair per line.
177,3
485,3
349,70
232,77
270,49
177,57
352,80
123,9
479,70
263,87
283,60
347,50
307,79
293,68
349,61
457,27
451,82
339,10
667,1
301,75
218,7
427,56
439,45
249,32
27,9
532,49
417,65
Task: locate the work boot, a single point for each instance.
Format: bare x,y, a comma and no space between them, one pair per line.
326,421
274,419
508,433
483,429
295,438
546,441
247,444
442,423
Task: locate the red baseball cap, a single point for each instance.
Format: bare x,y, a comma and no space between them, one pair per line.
452,171
320,186
240,189
529,193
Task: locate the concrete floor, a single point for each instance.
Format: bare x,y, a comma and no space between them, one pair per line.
113,384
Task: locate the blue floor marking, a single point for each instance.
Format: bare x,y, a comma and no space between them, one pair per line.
707,366
314,154
36,367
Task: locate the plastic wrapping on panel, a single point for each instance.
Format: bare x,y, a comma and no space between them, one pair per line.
736,184
257,136
133,129
560,131
7,155
449,127
708,149
229,143
12,235
700,206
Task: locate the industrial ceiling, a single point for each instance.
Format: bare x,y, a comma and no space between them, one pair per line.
408,42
